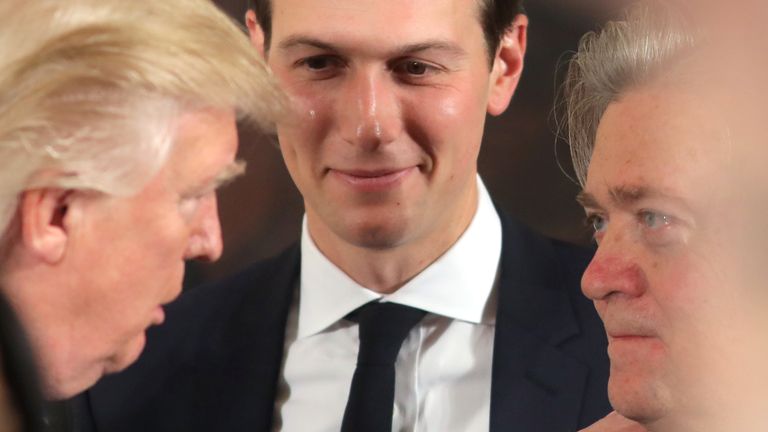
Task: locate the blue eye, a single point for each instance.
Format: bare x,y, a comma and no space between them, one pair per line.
597,223
655,220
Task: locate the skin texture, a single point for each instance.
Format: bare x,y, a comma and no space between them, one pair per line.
105,265
671,278
390,101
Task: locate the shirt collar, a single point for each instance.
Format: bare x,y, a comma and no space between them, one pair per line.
457,285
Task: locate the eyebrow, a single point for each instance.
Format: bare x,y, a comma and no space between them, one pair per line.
622,196
226,175
429,45
626,195
299,41
587,200
229,173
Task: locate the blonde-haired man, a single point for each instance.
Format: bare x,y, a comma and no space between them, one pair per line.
117,124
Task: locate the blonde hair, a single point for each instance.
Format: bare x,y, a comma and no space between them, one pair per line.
90,89
624,55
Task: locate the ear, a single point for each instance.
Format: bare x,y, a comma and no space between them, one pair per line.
43,216
508,65
255,32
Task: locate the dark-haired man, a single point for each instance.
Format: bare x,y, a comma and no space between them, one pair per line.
390,99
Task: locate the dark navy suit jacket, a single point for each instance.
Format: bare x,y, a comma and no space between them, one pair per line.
215,364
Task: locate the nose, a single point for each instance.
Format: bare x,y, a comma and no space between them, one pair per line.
369,112
205,241
613,271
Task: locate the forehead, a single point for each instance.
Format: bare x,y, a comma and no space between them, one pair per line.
382,21
669,138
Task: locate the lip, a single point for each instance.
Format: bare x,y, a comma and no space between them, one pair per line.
372,180
622,326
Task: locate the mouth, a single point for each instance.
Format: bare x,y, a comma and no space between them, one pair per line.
632,340
373,179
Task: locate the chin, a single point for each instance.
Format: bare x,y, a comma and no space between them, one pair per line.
73,382
639,398
127,355
377,236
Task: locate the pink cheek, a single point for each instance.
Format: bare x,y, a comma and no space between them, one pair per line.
449,108
448,119
681,286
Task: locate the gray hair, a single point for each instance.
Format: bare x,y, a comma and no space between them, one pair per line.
90,90
624,55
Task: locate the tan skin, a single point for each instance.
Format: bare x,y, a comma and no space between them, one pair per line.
391,99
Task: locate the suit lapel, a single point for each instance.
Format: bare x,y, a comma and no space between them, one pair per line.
535,385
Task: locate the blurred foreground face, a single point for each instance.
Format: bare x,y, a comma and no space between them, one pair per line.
672,280
123,258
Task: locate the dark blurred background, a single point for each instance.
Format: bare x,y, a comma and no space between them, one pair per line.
522,162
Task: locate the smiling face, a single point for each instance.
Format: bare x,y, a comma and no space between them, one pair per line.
666,280
391,98
124,258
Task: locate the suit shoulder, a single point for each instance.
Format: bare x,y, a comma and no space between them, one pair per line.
574,258
544,256
263,278
205,317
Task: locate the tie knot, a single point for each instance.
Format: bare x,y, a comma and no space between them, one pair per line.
383,327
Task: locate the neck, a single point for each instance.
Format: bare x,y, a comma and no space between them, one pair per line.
387,269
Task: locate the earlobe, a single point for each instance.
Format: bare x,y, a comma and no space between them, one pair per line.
43,214
508,66
255,32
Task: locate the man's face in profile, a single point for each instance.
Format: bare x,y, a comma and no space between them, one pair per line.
391,99
125,259
667,278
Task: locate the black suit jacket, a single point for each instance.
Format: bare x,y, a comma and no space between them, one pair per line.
215,364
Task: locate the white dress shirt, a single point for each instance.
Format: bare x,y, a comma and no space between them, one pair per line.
443,370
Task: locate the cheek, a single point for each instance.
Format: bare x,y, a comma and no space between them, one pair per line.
164,242
302,133
687,295
449,122
311,109
672,285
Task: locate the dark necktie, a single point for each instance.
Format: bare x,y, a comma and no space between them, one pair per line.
383,328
